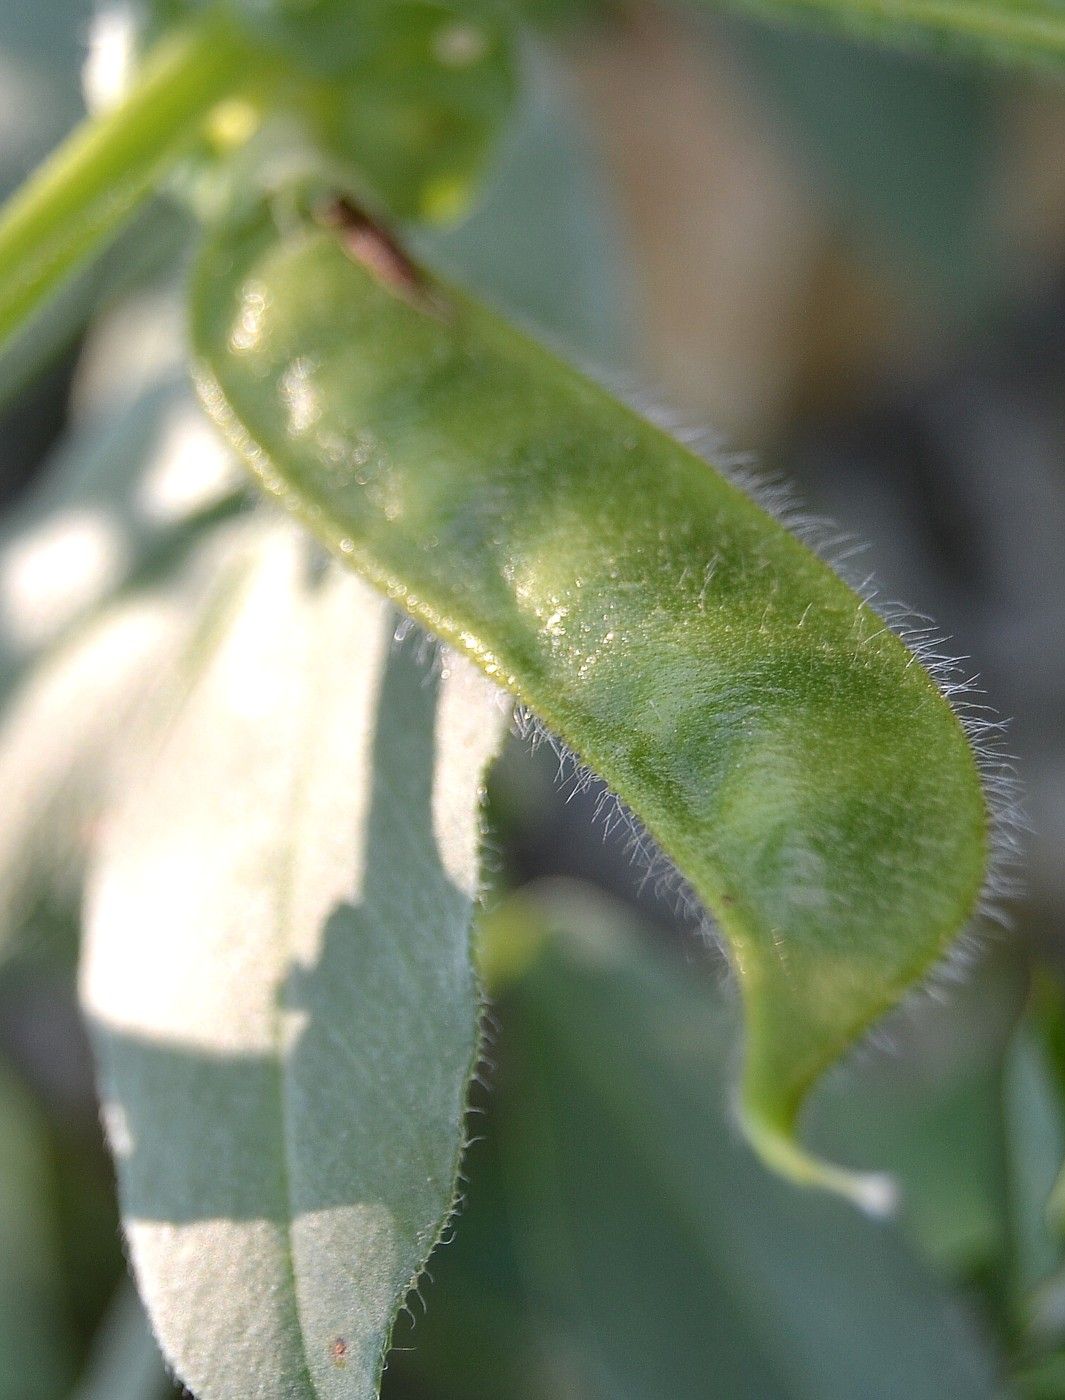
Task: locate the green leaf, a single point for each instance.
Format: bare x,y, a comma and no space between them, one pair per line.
1047,1021
403,99
902,150
544,242
40,57
1034,1105
415,115
931,1113
153,240
125,1363
327,36
105,571
36,1344
82,724
1035,1141
1043,1379
665,1260
780,743
1027,32
62,743
280,988
121,506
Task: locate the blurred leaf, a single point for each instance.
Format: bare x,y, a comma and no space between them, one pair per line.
121,506
931,1113
279,983
97,596
61,743
1035,1138
665,1257
1026,32
405,105
418,111
83,725
40,58
557,13
904,148
1048,1028
475,1333
36,1348
1043,1380
151,242
125,1363
544,240
1035,1107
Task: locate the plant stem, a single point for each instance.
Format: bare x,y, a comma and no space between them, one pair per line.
93,182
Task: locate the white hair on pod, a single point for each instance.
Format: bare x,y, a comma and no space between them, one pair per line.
986,732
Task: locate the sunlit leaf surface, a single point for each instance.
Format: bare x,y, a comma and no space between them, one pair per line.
279,983
118,509
62,742
105,565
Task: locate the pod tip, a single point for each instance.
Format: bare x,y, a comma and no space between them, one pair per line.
876,1194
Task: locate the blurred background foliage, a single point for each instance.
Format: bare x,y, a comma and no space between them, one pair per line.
851,264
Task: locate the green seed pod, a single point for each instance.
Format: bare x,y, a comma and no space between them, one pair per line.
778,740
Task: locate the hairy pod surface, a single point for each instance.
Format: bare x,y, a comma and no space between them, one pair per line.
779,741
